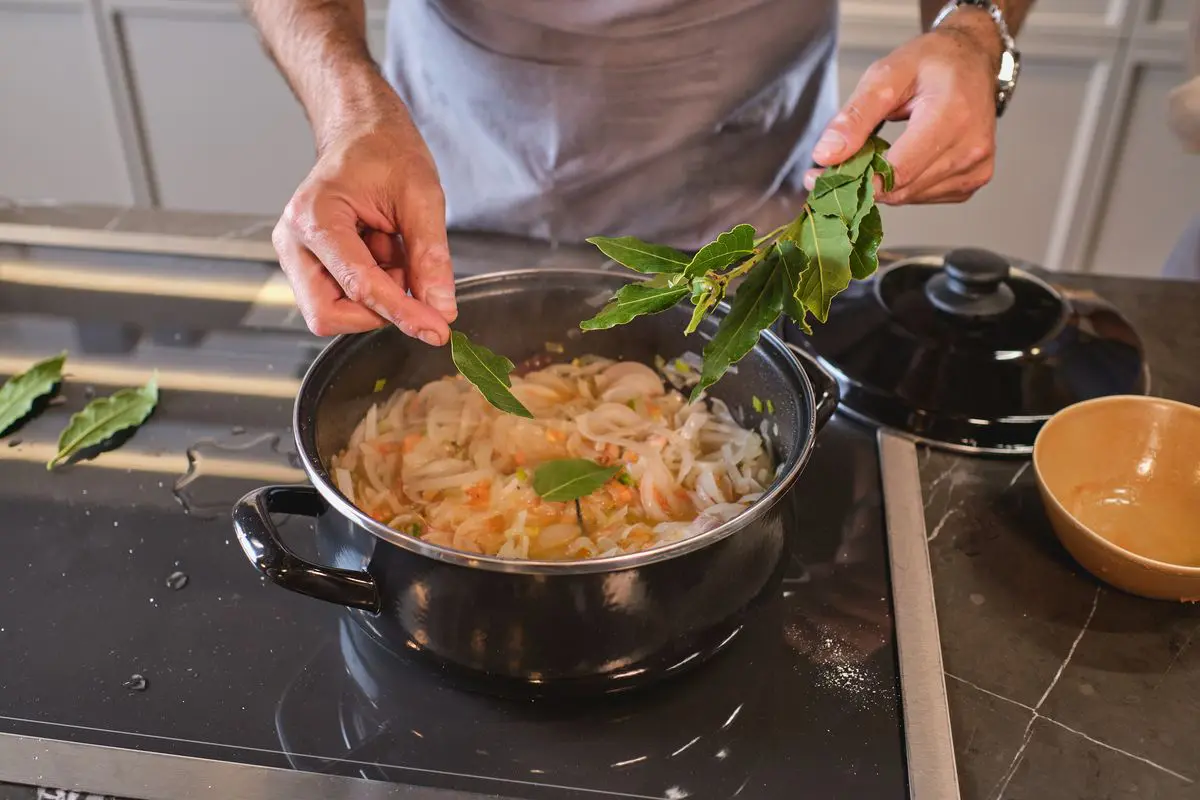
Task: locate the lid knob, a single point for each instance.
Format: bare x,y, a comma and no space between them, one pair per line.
971,284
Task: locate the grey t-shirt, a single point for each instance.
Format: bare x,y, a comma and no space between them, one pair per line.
669,120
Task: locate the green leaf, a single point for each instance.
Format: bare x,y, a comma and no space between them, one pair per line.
756,306
19,393
706,293
635,300
826,243
828,181
642,256
792,263
731,246
842,201
880,164
105,417
856,164
864,258
569,479
488,371
865,201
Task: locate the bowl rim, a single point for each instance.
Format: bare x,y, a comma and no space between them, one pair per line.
779,487
1121,552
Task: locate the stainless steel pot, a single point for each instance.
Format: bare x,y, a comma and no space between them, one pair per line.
603,624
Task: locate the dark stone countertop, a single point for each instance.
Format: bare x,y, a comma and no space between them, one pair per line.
1060,688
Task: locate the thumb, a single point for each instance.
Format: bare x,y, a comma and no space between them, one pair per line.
430,271
880,91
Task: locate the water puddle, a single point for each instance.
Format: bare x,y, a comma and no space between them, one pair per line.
220,472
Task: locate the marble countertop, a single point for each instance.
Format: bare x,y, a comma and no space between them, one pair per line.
1059,686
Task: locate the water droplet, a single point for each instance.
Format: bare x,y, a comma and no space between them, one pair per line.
136,683
89,392
237,430
977,599
116,524
177,580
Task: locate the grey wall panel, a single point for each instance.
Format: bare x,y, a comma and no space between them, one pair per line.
223,131
1171,10
1155,189
57,136
1015,213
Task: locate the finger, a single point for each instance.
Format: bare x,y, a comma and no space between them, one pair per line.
431,274
960,170
923,143
319,298
335,241
954,189
885,86
382,246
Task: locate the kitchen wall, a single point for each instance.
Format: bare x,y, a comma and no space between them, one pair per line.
172,103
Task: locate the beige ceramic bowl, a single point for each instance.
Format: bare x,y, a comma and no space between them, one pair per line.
1120,480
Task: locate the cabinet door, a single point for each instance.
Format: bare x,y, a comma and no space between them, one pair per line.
1154,190
57,136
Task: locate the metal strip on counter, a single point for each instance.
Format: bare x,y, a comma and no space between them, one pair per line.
932,770
148,775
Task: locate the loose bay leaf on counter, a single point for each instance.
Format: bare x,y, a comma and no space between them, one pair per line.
105,417
568,479
489,372
642,256
20,392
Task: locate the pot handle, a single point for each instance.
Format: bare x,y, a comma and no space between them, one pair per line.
261,543
825,386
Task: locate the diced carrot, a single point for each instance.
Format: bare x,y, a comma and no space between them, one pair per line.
555,436
519,457
410,442
479,494
387,448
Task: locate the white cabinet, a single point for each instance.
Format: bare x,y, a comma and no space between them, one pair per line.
173,102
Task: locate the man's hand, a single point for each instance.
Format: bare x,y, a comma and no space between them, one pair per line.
944,84
337,239
369,222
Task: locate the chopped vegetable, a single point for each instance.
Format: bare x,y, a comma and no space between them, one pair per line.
554,347
625,478
758,404
379,384
770,406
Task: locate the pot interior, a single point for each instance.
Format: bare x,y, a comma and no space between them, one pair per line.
517,314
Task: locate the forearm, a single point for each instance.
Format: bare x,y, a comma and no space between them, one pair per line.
320,47
1014,11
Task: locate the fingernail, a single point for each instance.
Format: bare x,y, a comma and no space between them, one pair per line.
810,181
430,338
829,145
442,299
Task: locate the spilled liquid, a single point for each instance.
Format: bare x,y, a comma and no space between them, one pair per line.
219,473
1157,519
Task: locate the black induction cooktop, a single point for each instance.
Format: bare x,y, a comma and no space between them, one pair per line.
143,656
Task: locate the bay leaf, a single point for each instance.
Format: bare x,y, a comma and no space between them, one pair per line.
104,418
857,164
642,256
881,165
489,372
841,201
826,243
865,201
567,479
828,181
635,300
732,245
706,294
792,263
20,392
864,258
756,305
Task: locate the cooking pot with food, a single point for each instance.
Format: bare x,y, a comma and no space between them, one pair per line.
599,617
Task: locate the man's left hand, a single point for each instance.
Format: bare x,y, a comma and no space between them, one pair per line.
944,84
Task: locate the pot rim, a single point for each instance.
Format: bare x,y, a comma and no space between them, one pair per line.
318,474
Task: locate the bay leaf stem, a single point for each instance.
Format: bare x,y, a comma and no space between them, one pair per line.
579,516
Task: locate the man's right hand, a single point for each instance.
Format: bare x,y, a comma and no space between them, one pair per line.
367,225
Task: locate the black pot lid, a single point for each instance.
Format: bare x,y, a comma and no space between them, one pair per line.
969,353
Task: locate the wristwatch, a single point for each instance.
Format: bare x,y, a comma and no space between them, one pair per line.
1010,59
